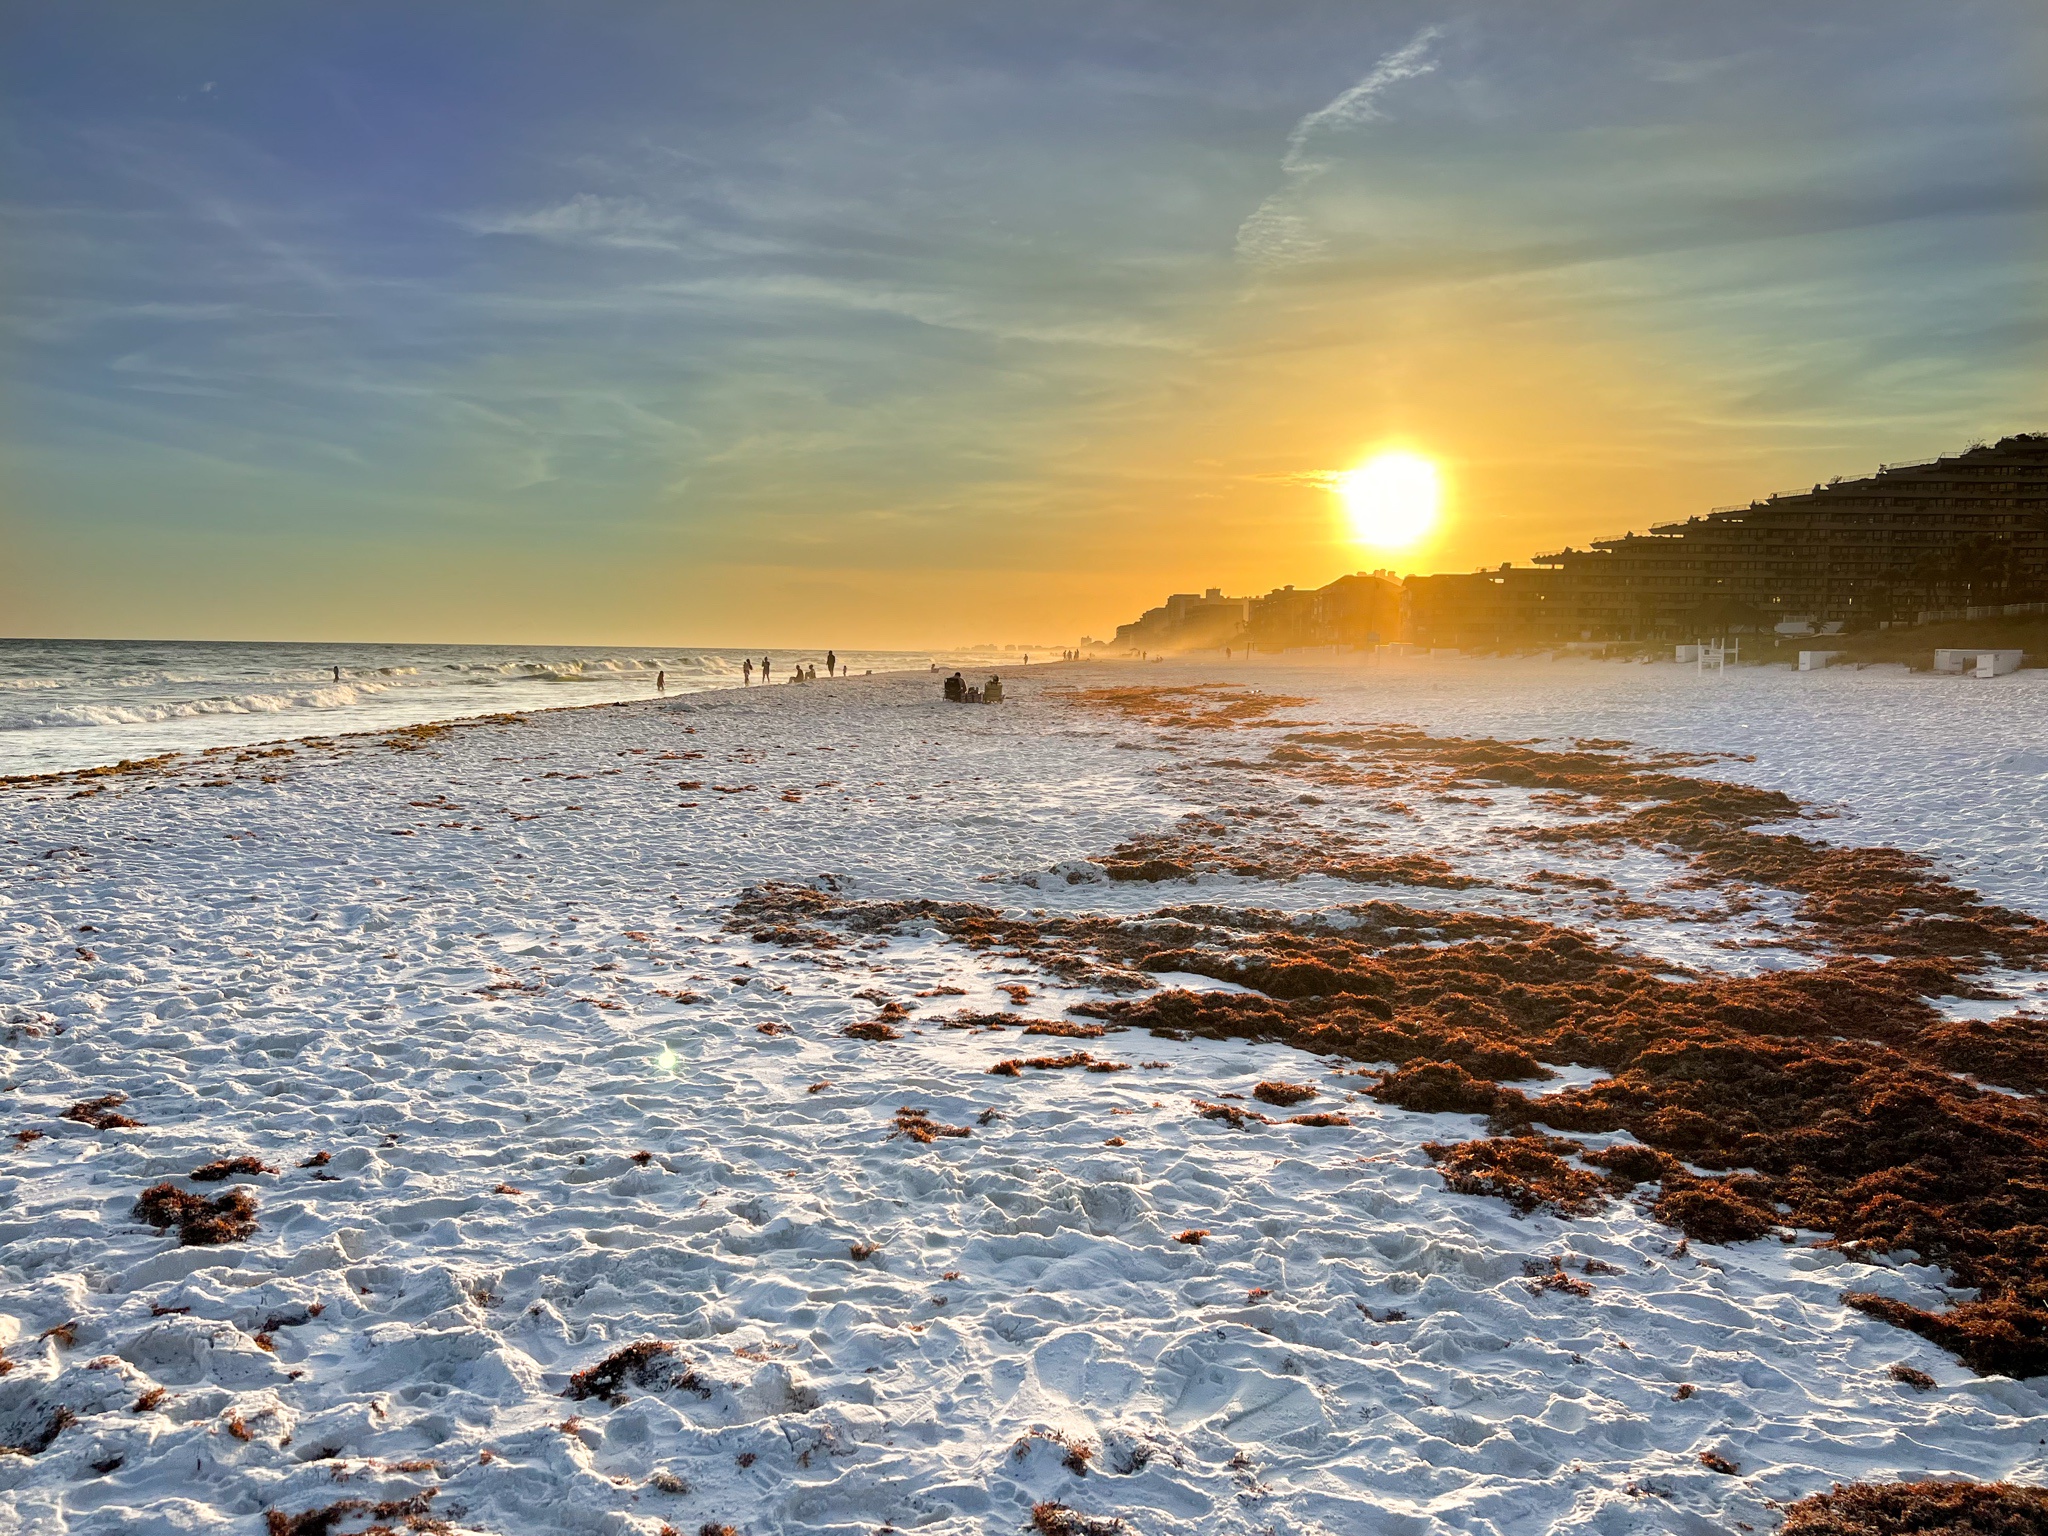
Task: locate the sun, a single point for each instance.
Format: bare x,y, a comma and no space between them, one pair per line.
1391,499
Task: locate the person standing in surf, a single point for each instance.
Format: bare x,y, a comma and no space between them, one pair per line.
831,662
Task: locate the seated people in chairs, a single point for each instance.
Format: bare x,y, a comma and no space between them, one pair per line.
956,689
992,691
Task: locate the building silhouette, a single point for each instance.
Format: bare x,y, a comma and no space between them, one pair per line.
1963,530
1966,530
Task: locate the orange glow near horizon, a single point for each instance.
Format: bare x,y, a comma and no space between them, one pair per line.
1391,499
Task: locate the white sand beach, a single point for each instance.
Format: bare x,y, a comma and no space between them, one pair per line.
520,1090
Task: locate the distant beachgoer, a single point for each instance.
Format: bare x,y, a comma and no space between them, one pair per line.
831,662
661,682
747,673
956,689
992,691
337,674
764,669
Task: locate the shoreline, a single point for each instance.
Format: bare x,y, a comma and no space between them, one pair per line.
97,770
70,706
1357,663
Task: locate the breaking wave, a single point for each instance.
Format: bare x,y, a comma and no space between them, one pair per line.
73,704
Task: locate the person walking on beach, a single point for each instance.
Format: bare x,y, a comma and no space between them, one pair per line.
831,662
764,671
661,682
747,673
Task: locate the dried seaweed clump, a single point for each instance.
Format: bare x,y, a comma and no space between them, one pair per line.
227,1167
1713,1211
2011,1052
1553,1279
1049,1517
872,1029
1437,1088
1014,1066
920,1127
651,1363
101,1113
1992,1336
1074,1454
322,1521
1525,1171
1211,847
202,1222
1284,1094
1920,1509
1237,1119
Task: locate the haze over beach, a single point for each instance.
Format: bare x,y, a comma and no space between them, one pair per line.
1110,771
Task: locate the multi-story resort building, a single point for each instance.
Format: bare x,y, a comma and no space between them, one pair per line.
1965,530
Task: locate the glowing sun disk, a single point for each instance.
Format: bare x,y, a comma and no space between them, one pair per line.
1391,499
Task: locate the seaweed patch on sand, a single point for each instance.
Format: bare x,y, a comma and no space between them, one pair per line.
1919,1509
1826,1098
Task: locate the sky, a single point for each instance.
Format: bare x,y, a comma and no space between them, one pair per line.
908,324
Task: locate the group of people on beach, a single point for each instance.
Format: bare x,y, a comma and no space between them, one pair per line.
957,691
802,674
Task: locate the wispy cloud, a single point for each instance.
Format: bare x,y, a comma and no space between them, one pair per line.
584,219
1277,233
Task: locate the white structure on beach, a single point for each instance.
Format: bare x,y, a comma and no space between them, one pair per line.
1972,662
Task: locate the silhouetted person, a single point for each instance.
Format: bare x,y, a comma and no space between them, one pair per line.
661,682
747,673
992,691
831,662
956,689
764,669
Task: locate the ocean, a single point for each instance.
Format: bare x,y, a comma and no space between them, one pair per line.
68,704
